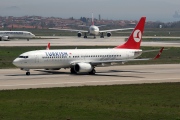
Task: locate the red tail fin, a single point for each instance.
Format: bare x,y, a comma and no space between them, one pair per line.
134,41
48,46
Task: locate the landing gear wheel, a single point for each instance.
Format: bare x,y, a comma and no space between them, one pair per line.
102,36
73,71
27,73
94,37
93,72
85,36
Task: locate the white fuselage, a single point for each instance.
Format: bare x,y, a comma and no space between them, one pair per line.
93,30
46,59
4,35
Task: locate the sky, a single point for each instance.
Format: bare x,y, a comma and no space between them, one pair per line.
154,10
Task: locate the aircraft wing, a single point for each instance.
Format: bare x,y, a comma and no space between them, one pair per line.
74,30
112,30
101,25
116,61
144,51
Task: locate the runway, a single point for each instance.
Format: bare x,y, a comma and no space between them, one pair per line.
75,41
124,74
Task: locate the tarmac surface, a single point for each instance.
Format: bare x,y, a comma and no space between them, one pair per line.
75,41
113,75
124,74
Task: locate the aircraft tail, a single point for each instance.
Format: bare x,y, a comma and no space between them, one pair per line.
134,41
92,19
48,46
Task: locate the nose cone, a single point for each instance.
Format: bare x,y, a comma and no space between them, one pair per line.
32,35
16,62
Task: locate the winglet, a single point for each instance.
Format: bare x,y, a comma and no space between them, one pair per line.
159,54
48,46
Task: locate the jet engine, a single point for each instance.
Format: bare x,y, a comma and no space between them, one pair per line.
79,34
83,67
109,34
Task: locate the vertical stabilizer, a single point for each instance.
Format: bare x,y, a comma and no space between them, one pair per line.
134,41
92,19
48,46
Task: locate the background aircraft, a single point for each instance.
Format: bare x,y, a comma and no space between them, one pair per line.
85,60
7,35
93,30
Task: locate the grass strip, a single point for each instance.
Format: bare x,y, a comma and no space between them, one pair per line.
117,102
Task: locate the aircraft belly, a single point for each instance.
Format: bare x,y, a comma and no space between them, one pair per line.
94,33
55,64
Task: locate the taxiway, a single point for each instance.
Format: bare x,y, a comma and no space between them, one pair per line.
75,41
124,74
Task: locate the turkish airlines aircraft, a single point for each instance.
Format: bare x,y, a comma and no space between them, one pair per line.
85,60
93,30
7,35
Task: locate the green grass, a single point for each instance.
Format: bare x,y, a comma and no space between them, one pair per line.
118,102
8,54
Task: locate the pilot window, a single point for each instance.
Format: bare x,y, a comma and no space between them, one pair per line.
23,56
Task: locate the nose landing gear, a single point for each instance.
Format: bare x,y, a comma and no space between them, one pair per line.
27,71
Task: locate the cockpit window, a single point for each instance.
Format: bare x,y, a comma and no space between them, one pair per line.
92,28
23,56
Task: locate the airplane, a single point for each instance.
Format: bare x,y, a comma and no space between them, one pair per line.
85,60
7,35
93,30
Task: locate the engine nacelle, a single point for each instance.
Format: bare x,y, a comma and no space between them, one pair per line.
83,67
109,34
79,34
4,38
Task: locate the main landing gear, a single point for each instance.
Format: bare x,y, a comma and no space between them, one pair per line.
73,71
85,36
28,73
92,72
101,36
